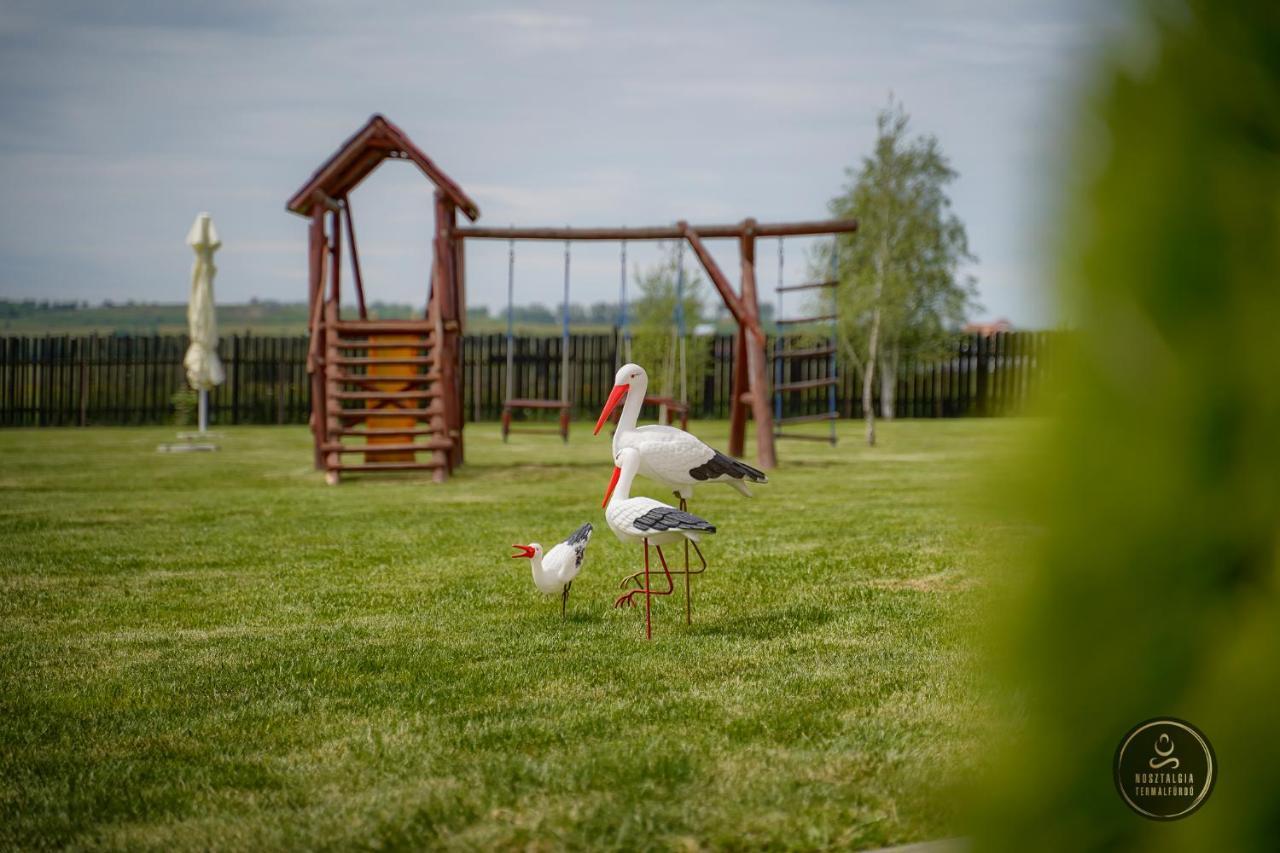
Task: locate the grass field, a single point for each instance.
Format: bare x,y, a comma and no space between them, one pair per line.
218,650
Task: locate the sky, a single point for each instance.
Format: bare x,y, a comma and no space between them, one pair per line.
119,122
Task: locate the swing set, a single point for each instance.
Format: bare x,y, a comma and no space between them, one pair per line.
391,389
511,403
667,406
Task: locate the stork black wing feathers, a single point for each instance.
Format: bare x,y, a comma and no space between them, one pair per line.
721,465
666,518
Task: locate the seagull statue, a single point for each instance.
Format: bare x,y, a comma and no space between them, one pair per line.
555,571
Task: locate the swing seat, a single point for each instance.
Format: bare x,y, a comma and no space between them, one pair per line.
510,406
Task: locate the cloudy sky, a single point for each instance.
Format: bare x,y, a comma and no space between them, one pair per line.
120,121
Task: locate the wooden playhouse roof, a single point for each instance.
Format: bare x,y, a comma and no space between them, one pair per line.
378,140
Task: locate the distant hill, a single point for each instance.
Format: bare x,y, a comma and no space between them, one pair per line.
260,318
30,317
132,318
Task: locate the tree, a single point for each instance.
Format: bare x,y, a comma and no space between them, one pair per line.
901,287
655,341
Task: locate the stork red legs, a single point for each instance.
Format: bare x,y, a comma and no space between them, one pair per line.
628,598
645,521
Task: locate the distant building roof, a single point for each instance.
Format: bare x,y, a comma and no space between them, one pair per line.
988,328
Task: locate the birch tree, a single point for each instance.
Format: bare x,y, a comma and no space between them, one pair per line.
900,284
655,342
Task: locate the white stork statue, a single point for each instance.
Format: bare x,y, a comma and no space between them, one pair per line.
669,455
647,521
554,572
673,457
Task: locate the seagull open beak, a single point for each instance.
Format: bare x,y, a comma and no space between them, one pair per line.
526,551
618,392
613,483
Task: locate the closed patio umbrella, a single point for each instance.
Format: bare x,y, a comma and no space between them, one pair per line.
204,369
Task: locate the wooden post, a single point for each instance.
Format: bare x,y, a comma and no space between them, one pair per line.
331,424
757,367
457,257
315,290
445,300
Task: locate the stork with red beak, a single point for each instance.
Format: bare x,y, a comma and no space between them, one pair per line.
554,572
647,521
671,456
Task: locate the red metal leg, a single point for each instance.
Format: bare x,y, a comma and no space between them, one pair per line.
648,599
688,590
628,598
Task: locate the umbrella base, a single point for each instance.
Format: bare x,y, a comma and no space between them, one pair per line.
189,447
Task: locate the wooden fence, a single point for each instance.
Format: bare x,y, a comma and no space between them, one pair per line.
109,380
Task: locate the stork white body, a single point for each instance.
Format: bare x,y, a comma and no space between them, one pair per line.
636,520
678,459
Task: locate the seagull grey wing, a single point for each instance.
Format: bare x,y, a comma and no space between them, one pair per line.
664,518
578,542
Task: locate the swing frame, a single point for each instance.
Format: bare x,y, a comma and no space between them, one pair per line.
751,394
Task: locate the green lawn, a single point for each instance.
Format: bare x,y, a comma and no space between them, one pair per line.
219,650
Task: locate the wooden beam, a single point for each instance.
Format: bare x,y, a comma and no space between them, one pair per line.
355,260
322,199
665,232
731,301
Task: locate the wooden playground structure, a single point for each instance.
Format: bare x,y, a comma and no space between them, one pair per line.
390,390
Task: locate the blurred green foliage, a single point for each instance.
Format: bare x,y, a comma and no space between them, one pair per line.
1159,489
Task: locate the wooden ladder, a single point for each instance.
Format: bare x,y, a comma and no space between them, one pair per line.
384,398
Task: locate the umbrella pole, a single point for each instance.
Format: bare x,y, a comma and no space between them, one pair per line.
204,410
